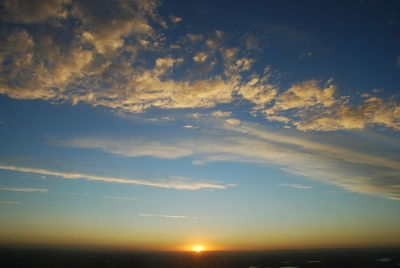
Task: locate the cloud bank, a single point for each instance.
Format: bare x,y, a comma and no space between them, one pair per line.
355,164
103,60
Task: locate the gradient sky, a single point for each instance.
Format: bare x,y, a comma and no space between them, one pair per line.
146,124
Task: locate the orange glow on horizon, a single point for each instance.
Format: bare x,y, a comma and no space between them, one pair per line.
198,248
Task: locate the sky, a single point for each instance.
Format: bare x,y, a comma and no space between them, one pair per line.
170,125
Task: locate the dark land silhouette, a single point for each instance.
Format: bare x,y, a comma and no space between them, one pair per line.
371,257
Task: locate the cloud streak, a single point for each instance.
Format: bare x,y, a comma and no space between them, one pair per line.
355,164
296,186
120,197
172,183
23,189
10,202
166,216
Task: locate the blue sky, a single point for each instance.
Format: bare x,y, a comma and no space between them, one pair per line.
161,125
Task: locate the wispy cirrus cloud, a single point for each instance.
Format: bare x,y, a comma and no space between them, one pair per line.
23,189
179,183
356,164
296,186
10,202
127,198
167,216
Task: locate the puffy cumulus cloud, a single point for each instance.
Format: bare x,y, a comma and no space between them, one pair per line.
59,55
310,106
33,11
116,54
258,89
179,183
106,27
175,19
353,163
193,38
279,118
149,89
219,113
373,110
306,95
216,41
200,57
99,61
36,70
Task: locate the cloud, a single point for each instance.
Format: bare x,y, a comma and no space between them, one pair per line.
194,37
189,127
166,216
172,183
296,186
129,147
33,11
175,19
23,189
251,42
200,57
103,60
216,40
305,55
356,164
221,114
310,105
120,197
372,110
232,121
305,95
10,202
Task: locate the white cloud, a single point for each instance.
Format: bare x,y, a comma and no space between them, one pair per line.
173,183
189,127
10,202
166,216
129,147
120,197
313,106
232,121
296,186
34,10
23,189
221,114
103,63
200,57
355,164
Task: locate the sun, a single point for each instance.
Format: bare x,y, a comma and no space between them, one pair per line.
198,248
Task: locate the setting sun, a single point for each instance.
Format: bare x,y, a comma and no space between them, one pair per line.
198,248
